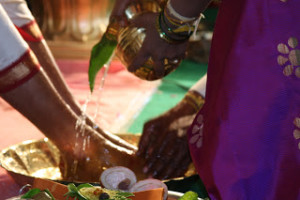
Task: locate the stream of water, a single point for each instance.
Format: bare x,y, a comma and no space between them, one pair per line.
81,121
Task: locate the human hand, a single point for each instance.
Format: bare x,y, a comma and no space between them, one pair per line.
118,11
161,52
166,149
164,142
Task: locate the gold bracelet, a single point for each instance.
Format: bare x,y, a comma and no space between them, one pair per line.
167,37
182,24
178,26
194,99
177,16
161,33
112,30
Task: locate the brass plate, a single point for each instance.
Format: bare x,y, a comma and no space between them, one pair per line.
30,159
40,159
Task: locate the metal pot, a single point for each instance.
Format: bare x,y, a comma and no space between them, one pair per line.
130,40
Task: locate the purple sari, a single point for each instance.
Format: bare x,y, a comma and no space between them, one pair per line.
245,142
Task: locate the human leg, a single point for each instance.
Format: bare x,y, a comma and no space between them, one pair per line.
27,26
27,88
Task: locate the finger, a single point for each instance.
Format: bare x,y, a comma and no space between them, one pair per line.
153,157
162,163
159,68
181,49
139,60
143,20
177,156
169,170
153,153
149,132
174,60
183,167
143,143
162,157
159,146
120,7
182,162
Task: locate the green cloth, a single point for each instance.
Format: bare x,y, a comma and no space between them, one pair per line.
170,92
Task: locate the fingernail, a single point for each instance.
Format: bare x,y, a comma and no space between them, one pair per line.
154,174
145,169
149,152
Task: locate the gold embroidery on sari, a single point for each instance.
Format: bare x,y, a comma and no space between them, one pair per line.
197,132
12,76
296,132
290,59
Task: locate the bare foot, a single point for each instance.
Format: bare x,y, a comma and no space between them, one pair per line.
90,154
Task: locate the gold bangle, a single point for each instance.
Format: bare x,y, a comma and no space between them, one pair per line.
112,30
194,99
176,15
178,26
163,35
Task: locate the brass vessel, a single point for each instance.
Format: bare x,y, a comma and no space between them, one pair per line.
41,158
130,40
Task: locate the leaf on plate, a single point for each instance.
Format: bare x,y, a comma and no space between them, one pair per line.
49,193
84,185
31,193
123,195
74,191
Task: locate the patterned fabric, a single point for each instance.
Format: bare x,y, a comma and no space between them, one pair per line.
31,32
19,72
17,63
245,142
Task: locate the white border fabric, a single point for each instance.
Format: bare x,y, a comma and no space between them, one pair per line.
17,11
200,86
12,45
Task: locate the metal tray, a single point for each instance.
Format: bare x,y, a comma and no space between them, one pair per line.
40,159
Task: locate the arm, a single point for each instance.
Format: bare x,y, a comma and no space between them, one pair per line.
189,8
164,140
27,26
25,86
167,33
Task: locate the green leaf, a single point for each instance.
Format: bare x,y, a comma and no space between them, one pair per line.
30,193
122,196
74,191
100,55
125,194
72,187
84,185
48,192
